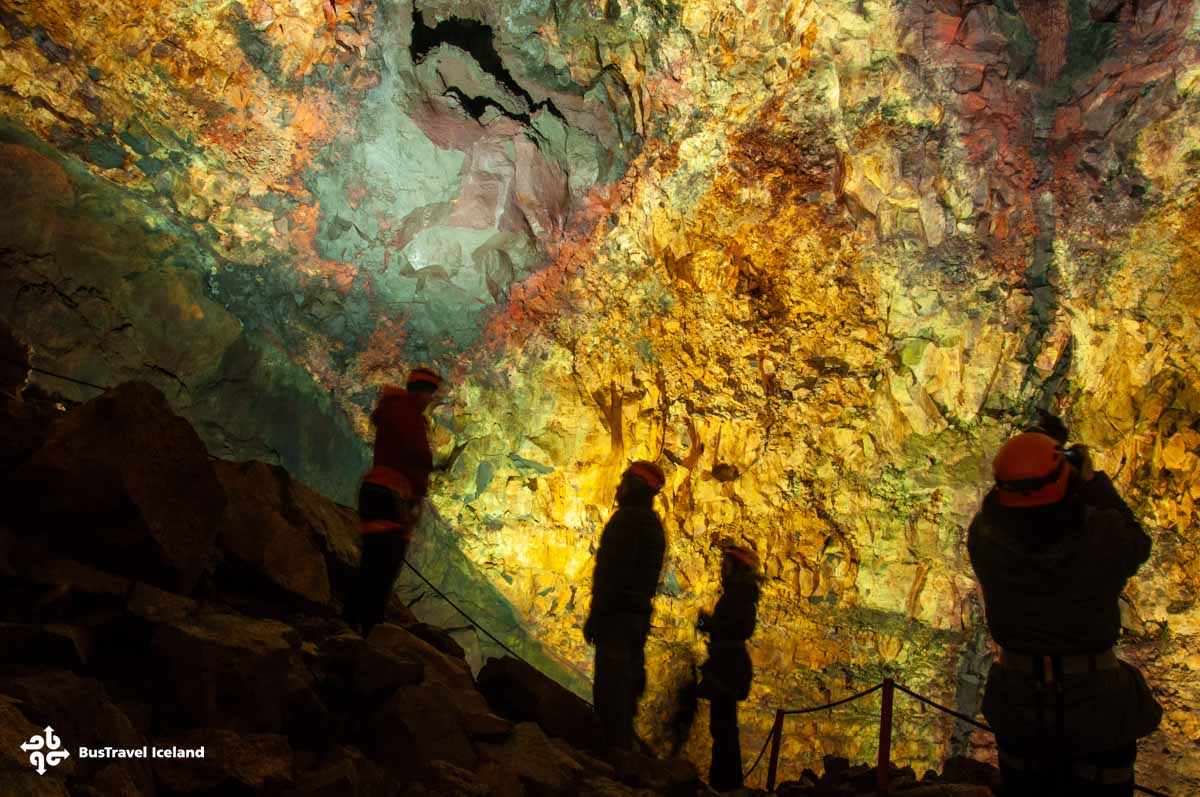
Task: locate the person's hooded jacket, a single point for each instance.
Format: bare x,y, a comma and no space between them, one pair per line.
1052,578
629,561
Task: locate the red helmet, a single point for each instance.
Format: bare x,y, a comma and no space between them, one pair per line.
1030,470
648,472
423,379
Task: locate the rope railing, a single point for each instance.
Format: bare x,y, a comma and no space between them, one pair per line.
475,623
883,763
943,709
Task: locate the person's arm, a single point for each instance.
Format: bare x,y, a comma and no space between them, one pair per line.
1121,528
615,560
733,617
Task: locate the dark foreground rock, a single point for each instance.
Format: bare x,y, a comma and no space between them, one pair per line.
521,693
186,603
961,777
125,482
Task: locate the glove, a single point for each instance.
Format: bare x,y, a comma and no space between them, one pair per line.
589,631
1081,458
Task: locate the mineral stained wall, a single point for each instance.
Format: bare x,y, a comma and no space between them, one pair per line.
818,259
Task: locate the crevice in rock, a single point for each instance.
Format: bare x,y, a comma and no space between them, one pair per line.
476,39
158,369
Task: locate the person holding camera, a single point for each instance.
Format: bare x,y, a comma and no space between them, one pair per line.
1052,548
727,674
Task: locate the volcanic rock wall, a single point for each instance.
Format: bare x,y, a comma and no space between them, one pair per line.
818,259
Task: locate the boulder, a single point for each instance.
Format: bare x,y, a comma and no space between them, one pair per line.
531,759
675,777
8,550
114,780
439,668
417,725
438,638
228,671
14,363
126,484
862,777
948,790
82,715
232,763
836,769
33,648
156,606
519,692
24,425
443,779
960,769
280,537
79,579
368,670
398,613
603,787
31,784
486,726
15,730
342,771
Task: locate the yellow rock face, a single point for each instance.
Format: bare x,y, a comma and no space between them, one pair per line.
805,308
856,245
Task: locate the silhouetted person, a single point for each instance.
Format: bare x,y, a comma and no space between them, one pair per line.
726,676
1052,547
389,501
628,564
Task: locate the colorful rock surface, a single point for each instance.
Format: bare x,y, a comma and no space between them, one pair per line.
817,259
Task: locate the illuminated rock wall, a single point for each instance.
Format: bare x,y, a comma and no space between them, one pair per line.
816,259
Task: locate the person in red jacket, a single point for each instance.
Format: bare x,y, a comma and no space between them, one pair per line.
1052,547
389,501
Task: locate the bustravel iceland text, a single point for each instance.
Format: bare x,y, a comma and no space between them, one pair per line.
141,752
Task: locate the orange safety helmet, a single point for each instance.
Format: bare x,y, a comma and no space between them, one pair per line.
1030,470
648,472
743,556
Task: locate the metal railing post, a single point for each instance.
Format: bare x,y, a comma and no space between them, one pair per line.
883,773
776,742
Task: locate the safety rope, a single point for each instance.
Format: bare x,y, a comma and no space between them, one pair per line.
922,699
766,744
64,377
942,708
809,710
476,624
850,699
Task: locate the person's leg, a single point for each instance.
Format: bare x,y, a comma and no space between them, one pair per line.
613,688
725,772
638,631
1023,775
388,550
383,553
370,507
